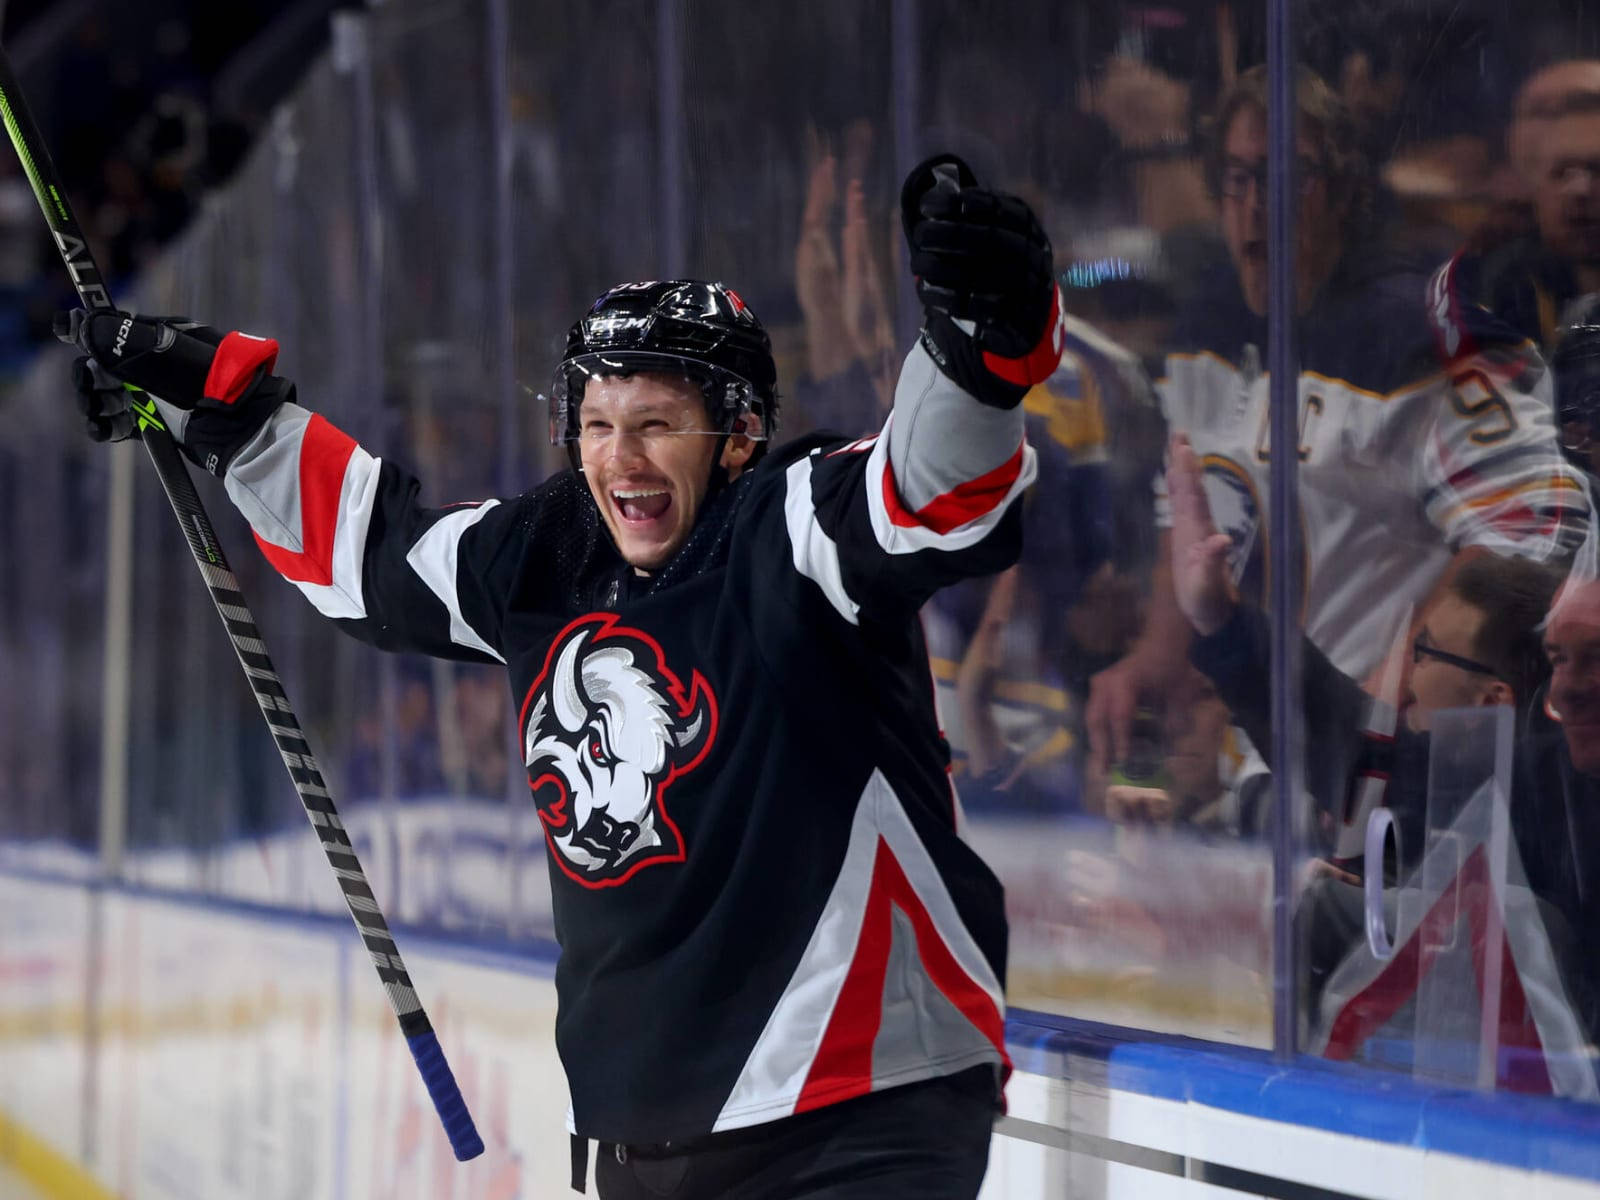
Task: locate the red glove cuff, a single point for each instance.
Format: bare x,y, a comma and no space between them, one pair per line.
1039,363
235,364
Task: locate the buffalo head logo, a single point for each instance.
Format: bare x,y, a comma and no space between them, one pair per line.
606,729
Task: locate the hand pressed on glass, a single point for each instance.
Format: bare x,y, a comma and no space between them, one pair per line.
1200,576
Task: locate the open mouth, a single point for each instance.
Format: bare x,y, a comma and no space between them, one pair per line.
641,506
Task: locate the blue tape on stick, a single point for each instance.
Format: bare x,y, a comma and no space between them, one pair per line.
458,1126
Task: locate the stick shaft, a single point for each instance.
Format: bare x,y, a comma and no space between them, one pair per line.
246,638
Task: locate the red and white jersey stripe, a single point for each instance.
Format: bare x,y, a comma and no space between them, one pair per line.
311,523
891,989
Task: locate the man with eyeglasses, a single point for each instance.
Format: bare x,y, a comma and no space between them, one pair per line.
1536,262
1502,629
1425,431
1478,642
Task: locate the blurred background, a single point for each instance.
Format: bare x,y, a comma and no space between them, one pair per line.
417,197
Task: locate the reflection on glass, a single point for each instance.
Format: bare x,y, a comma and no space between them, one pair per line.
1108,751
1470,372
1105,778
1484,985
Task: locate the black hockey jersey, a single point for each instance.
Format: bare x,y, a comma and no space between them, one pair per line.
763,901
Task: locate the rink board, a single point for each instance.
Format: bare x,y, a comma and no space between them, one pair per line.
229,1051
246,1053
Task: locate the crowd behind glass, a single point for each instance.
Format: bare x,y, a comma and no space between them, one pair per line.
1449,413
1110,734
1448,321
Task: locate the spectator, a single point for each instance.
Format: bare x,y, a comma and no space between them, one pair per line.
480,764
848,333
1210,780
1541,276
1543,98
1148,115
1555,806
1424,432
1536,264
1051,620
1478,642
1576,367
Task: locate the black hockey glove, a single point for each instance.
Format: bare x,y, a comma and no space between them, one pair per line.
104,402
986,279
213,391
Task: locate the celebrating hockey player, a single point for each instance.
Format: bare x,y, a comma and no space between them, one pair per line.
781,966
1425,425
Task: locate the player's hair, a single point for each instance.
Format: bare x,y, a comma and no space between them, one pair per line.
1324,116
1514,594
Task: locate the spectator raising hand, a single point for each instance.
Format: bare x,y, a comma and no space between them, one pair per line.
817,276
1200,577
1148,113
840,288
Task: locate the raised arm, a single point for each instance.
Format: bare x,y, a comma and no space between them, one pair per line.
341,525
992,329
886,521
1345,736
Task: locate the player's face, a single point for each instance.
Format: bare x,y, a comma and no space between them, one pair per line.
1450,626
1572,642
1244,211
645,444
1567,189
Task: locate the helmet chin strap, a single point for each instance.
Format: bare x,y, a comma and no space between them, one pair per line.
719,473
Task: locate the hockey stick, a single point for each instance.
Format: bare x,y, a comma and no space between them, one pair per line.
246,638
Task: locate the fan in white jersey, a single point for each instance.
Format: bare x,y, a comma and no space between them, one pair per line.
1425,426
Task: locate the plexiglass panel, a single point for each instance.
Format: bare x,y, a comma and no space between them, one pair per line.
1444,486
453,185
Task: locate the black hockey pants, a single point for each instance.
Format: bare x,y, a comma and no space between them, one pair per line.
923,1141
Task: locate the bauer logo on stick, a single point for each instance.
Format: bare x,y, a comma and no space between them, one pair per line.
607,727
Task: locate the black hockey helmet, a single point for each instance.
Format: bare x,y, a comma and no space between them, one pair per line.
681,326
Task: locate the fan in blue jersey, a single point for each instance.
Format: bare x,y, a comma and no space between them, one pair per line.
781,965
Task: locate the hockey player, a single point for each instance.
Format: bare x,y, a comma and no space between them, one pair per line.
781,965
1425,425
